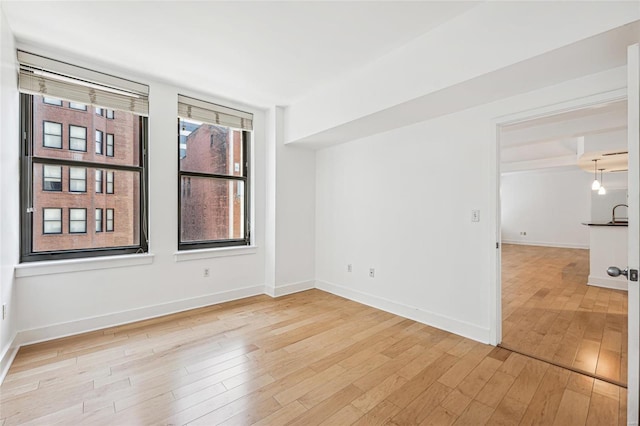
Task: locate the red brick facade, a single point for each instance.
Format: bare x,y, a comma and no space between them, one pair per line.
125,199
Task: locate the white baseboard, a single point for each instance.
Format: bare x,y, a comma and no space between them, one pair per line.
283,290
435,320
84,325
608,282
8,355
546,244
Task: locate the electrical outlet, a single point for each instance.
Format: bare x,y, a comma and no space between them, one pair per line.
372,273
523,233
206,272
349,268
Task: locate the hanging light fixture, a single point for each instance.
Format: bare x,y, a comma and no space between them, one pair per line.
596,184
602,190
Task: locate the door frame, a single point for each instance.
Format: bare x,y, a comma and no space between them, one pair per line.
497,124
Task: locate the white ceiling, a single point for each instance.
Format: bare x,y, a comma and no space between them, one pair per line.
261,53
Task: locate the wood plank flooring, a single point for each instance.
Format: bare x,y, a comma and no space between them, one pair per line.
311,358
550,312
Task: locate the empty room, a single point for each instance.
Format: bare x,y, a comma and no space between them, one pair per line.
256,212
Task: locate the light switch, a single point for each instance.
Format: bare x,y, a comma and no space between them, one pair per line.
475,215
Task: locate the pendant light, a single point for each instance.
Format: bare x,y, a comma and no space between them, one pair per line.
596,184
602,190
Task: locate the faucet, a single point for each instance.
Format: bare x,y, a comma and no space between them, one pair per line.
613,213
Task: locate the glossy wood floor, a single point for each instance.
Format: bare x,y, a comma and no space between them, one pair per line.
304,359
549,311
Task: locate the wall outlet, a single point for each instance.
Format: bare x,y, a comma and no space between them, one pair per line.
349,268
523,233
206,272
372,273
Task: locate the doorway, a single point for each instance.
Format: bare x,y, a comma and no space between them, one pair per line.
555,304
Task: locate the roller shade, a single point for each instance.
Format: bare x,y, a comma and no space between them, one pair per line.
48,77
207,112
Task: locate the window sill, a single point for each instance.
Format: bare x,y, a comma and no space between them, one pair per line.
182,256
32,269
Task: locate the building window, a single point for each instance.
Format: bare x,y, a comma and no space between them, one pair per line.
98,220
77,179
98,142
110,182
98,181
77,138
51,221
80,107
51,178
52,135
52,101
62,191
109,145
109,227
77,221
213,169
110,114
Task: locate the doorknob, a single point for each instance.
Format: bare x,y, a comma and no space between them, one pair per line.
614,271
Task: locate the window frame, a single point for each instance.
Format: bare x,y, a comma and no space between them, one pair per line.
106,220
44,221
111,173
85,138
27,161
112,145
245,177
44,178
100,221
76,108
51,134
76,179
101,142
111,116
96,180
75,220
44,101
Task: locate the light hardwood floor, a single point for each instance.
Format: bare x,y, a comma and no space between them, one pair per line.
305,359
550,312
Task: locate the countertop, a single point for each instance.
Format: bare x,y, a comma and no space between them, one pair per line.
606,224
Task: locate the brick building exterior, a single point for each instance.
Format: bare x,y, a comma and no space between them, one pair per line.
212,209
61,193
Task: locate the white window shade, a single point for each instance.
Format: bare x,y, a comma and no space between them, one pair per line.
53,79
206,112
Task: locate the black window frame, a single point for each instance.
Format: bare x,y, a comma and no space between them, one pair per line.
246,178
101,173
101,113
77,109
76,179
111,173
50,134
99,143
99,221
85,138
112,145
113,220
113,114
29,159
45,221
85,220
44,178
44,101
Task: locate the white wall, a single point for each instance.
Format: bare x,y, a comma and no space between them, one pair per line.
549,205
401,202
9,194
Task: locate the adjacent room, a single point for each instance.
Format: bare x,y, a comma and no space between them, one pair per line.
310,212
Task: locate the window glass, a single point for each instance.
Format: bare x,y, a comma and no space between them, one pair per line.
52,135
110,220
98,181
109,145
98,220
81,107
77,221
77,179
52,221
52,101
52,178
77,138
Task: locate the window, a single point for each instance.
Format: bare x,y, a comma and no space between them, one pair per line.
109,227
52,221
98,220
56,196
109,182
110,114
52,101
52,135
77,138
77,221
51,178
77,179
109,145
98,142
98,181
213,180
